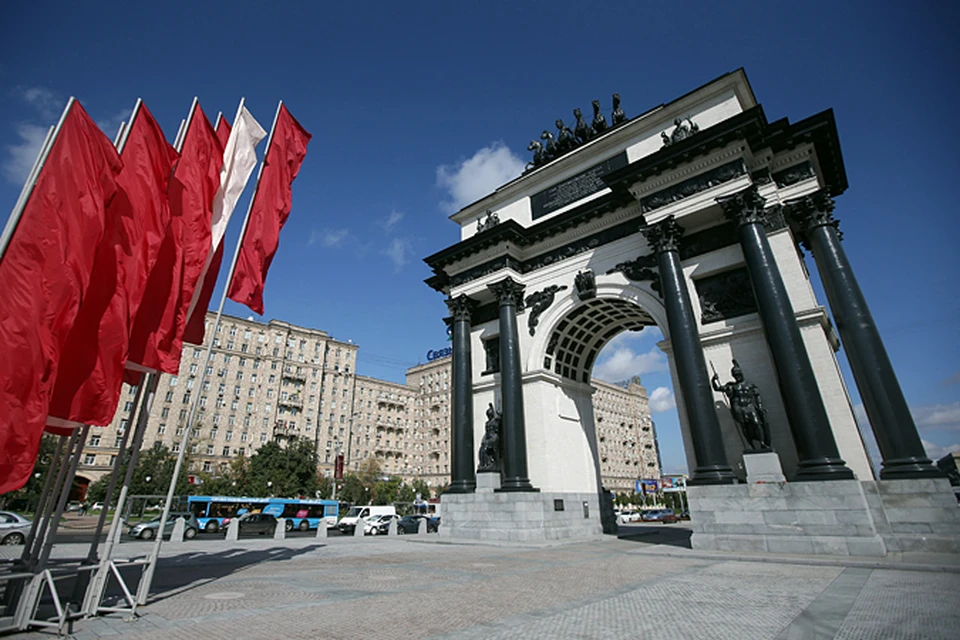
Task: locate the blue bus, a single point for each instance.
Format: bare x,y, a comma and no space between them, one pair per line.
215,512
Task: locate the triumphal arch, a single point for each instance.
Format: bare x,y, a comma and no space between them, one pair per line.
693,216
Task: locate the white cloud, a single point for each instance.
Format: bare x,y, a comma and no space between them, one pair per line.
20,157
662,399
398,251
471,179
111,125
623,363
47,104
936,451
328,237
394,218
937,416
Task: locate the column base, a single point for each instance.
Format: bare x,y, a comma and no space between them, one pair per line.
516,484
823,469
911,467
462,486
712,474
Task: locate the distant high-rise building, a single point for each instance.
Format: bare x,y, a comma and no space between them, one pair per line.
277,381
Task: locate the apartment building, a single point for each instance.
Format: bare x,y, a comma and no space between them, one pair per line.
278,381
264,382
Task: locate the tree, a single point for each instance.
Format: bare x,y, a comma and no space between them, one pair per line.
287,472
421,487
352,490
27,497
369,472
151,476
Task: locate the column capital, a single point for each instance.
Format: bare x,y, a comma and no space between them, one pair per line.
812,211
744,207
663,236
461,308
509,292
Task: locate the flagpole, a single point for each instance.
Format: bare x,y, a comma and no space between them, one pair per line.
145,582
126,131
27,190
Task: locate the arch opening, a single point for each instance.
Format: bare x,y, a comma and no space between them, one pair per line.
580,335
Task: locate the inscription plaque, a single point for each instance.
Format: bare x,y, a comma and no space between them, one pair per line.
574,188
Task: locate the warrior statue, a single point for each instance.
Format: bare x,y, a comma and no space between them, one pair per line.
746,408
490,444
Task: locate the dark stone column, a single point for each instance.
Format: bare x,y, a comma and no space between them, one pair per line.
509,294
463,478
893,426
817,448
712,467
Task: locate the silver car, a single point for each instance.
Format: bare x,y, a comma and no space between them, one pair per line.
148,530
13,528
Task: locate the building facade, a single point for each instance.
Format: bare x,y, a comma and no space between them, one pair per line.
278,381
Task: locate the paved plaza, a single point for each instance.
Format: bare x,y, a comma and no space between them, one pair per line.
422,587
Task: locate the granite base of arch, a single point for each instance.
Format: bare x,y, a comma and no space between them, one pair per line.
520,517
839,518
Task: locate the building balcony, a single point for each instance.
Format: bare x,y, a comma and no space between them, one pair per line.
298,377
291,401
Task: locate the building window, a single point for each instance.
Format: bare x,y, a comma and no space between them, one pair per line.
89,459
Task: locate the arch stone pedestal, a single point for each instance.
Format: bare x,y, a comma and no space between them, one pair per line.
677,219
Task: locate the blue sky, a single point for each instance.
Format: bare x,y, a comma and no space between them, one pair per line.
419,108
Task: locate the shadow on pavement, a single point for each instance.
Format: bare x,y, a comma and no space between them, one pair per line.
667,534
179,573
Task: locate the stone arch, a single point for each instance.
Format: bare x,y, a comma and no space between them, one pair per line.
557,382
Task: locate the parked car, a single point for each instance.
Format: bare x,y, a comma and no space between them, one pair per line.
378,525
411,524
73,505
626,517
97,506
666,516
148,530
13,528
260,523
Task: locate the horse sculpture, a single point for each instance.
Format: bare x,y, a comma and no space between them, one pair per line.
539,157
599,124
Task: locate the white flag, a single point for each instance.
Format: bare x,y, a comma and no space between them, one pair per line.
239,159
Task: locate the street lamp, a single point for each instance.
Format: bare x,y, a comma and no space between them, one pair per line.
270,487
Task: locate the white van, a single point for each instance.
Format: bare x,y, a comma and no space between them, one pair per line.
356,514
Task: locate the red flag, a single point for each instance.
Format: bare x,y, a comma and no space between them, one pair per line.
88,390
269,210
45,274
158,331
197,321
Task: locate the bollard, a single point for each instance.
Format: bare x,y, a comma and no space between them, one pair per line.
178,526
392,528
233,529
281,531
322,528
422,527
358,529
